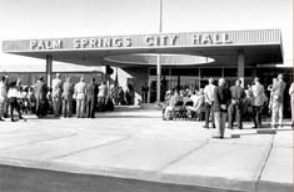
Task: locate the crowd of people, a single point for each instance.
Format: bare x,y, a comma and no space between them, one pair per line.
220,103
216,104
64,98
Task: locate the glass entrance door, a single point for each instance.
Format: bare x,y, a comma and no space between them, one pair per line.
173,78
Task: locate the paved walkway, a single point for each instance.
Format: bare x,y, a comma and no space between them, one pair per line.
137,145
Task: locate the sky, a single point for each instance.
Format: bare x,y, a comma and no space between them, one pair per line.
27,19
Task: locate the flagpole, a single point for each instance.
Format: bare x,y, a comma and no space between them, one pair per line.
158,66
161,16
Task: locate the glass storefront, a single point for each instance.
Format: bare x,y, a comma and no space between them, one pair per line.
182,78
195,78
172,78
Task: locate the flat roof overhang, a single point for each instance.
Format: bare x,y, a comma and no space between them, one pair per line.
259,47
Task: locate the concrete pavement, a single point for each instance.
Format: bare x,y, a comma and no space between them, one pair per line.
135,150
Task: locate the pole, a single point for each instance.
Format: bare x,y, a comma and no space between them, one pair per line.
158,56
49,60
158,78
241,66
161,17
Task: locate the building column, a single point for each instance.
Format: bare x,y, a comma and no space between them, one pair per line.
241,66
199,78
158,67
107,80
49,61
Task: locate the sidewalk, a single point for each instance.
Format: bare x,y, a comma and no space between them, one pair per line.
135,150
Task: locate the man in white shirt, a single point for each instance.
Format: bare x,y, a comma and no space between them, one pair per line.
102,94
3,97
209,100
80,96
56,94
278,101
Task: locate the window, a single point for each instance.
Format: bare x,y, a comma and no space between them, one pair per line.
230,72
185,72
211,72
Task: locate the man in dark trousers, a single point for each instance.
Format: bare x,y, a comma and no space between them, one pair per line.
145,90
222,98
13,95
41,91
56,94
3,97
258,102
6,104
92,92
67,95
236,105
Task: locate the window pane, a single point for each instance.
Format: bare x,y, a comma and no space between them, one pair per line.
185,71
211,72
230,72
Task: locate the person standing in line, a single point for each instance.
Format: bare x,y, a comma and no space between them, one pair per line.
13,95
20,96
41,92
3,97
258,102
92,91
25,100
144,90
6,103
168,95
67,95
278,102
80,95
102,95
49,101
56,94
209,101
270,89
130,94
121,96
222,98
291,93
236,105
32,100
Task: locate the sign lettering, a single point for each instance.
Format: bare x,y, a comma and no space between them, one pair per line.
80,43
160,40
47,44
211,39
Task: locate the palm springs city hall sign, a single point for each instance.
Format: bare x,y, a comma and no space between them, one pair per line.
136,41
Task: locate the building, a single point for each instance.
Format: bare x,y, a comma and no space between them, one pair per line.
165,60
